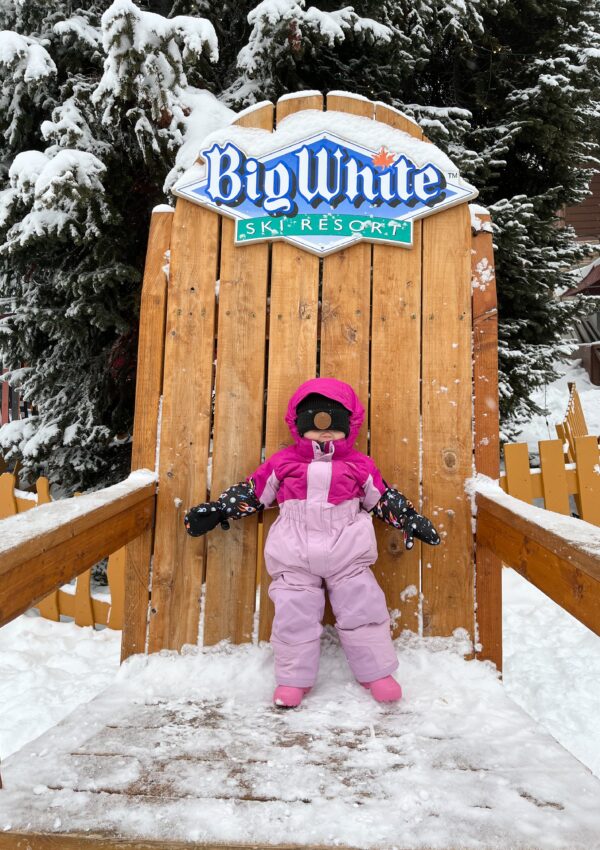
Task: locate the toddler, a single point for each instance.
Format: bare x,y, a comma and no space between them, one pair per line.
326,491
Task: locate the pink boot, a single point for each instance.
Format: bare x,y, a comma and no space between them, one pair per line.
286,696
384,690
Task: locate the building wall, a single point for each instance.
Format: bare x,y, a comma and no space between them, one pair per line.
585,217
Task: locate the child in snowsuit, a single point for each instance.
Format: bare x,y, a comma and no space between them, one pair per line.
326,491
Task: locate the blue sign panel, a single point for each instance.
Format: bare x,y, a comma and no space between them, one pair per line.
323,193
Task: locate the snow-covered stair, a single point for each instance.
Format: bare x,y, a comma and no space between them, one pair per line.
188,749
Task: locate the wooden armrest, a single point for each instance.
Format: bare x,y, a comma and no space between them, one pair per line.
46,547
560,555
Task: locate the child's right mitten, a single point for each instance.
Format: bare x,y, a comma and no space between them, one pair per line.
203,518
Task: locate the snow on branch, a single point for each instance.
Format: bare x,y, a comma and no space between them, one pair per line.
63,195
282,26
25,69
144,59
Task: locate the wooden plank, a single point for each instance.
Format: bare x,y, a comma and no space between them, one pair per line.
149,379
554,477
292,357
186,420
84,613
8,502
448,586
351,105
292,360
290,105
489,604
345,319
86,841
66,602
518,474
395,118
566,573
485,352
587,458
346,302
239,398
115,572
237,442
49,607
396,401
486,431
46,560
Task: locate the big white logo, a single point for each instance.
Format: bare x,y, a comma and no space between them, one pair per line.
323,192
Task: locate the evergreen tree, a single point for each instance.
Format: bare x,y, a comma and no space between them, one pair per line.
95,110
510,89
104,103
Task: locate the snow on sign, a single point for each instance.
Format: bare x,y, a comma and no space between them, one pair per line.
323,181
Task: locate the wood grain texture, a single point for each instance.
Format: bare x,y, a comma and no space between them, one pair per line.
340,102
292,356
565,572
396,401
186,420
345,323
289,106
238,426
448,570
86,841
486,431
485,352
149,380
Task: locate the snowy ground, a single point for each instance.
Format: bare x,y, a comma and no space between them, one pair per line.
552,670
188,747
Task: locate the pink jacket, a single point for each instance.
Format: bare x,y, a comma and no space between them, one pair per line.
284,475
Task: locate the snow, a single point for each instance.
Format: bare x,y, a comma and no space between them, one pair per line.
26,57
432,771
46,670
555,398
583,535
552,667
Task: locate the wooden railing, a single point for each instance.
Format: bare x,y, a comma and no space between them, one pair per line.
574,424
80,602
555,482
44,549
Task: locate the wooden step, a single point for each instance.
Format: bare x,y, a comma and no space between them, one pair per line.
162,760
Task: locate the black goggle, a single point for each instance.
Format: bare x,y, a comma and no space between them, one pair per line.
334,419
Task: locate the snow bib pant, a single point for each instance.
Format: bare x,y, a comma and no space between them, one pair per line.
313,543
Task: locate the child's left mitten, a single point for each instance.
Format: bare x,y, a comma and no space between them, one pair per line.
397,510
203,518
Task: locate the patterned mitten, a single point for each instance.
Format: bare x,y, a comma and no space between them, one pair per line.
396,510
235,503
203,518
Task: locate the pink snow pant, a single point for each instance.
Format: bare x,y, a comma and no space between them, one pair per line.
334,544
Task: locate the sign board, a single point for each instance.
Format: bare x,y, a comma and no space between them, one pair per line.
324,191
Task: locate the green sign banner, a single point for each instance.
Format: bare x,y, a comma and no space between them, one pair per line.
372,228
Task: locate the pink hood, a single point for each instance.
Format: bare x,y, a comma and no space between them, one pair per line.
334,389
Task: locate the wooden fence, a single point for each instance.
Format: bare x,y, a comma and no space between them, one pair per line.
79,601
564,487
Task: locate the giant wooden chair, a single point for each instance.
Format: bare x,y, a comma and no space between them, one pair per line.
415,333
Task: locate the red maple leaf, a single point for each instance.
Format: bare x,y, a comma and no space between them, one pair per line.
383,158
